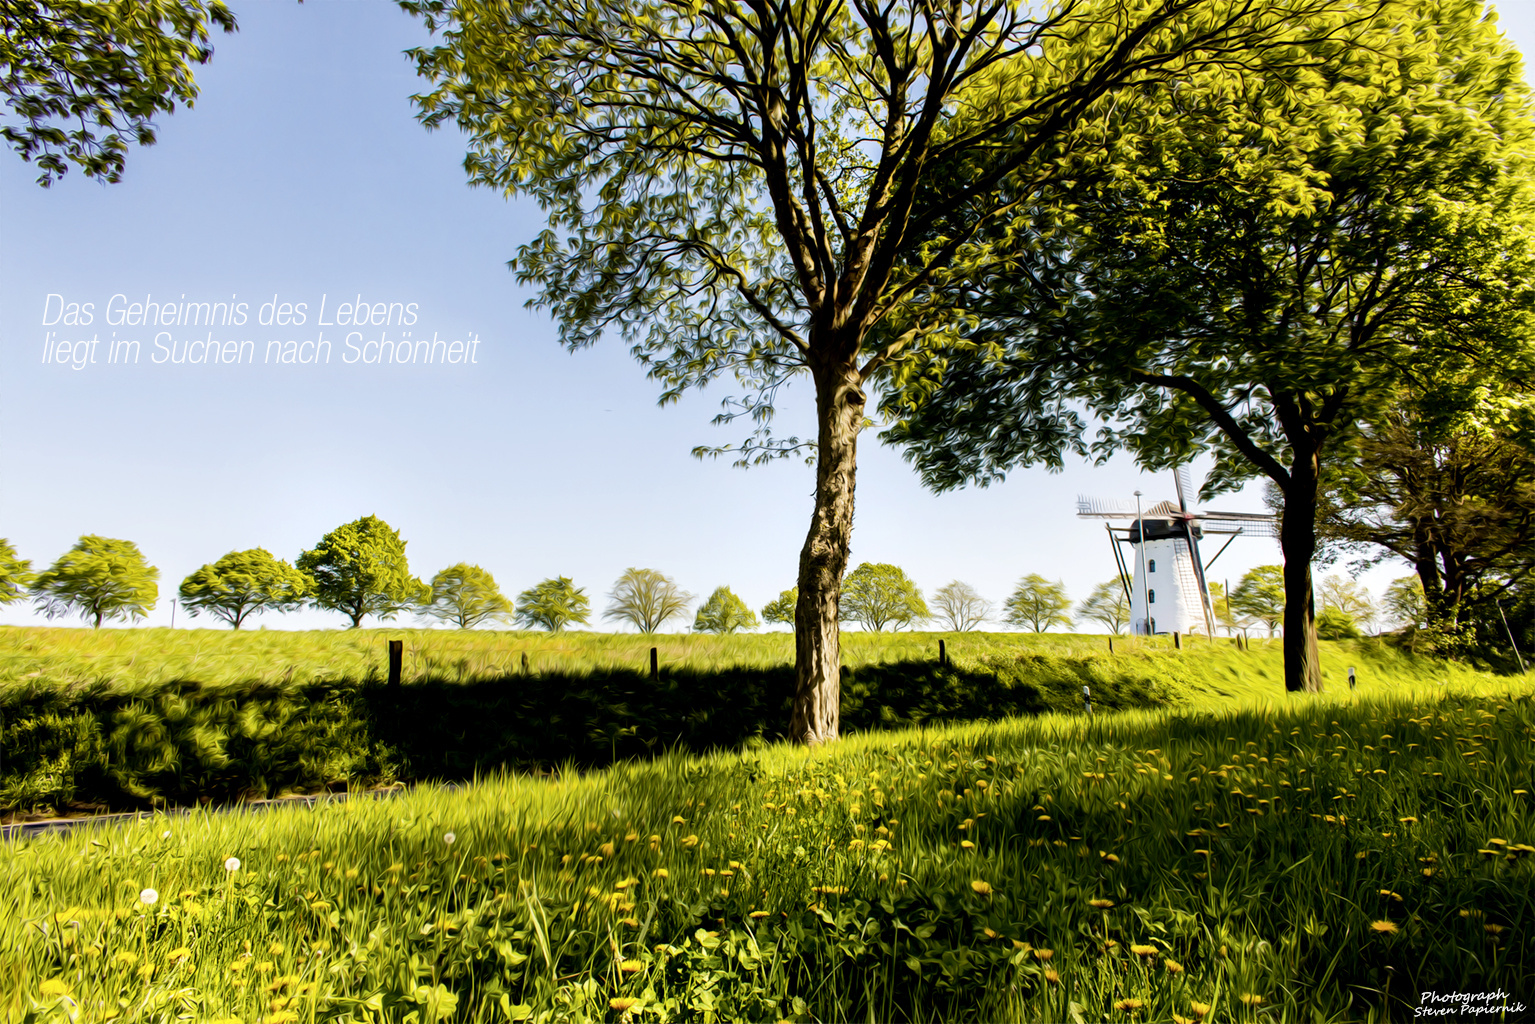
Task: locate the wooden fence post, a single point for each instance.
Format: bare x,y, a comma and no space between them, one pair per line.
1177,641
524,662
943,655
655,666
396,659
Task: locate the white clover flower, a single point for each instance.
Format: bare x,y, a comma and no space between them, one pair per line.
449,838
149,897
232,864
166,834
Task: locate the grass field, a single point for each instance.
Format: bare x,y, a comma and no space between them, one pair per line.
1328,859
1242,857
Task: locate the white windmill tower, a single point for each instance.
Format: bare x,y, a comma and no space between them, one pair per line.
1167,589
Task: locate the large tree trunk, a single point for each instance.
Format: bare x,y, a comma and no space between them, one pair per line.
1297,539
823,560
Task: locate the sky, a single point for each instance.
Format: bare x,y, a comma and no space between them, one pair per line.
302,176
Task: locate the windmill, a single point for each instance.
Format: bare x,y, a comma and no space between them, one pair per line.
1164,545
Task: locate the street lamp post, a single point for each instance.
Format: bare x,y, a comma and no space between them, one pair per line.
1140,529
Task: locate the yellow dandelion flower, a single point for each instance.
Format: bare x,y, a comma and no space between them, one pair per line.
1100,904
984,888
1384,927
1249,999
1129,1005
690,841
1053,976
679,820
1044,954
631,967
1200,1010
966,844
1140,950
758,914
52,988
179,953
988,933
1493,929
1173,966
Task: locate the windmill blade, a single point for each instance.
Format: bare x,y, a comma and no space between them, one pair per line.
1256,526
1107,508
1204,588
1185,487
1246,517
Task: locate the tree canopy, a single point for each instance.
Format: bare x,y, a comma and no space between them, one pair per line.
553,604
84,78
781,608
646,598
1252,265
16,575
466,596
878,594
1260,595
748,189
960,606
1108,605
1038,604
360,569
242,583
724,612
100,578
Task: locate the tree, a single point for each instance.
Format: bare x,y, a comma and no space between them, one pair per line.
16,575
1333,623
878,594
745,188
242,583
101,578
1253,264
84,77
1260,594
1405,603
466,596
1349,597
360,569
1038,604
1450,491
958,605
782,608
1227,616
1107,604
645,599
724,612
553,604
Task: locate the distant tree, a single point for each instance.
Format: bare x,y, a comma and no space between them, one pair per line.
360,569
1107,604
1038,604
466,596
243,583
959,606
1335,624
1349,597
724,612
85,78
101,578
782,609
16,575
645,599
877,595
1226,616
553,604
1405,603
1260,595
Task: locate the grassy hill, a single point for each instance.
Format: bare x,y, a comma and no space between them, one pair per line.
1319,858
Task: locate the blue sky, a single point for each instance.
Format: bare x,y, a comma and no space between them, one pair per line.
301,174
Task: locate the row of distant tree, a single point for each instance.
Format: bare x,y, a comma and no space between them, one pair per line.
360,569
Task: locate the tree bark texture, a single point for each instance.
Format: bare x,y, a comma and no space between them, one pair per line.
815,716
1297,539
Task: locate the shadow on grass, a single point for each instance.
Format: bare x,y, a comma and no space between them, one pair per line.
98,747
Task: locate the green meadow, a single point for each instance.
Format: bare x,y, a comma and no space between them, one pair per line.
1222,853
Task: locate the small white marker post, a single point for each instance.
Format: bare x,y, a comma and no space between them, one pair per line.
1087,700
1351,677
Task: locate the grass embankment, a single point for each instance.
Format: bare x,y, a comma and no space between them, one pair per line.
1316,858
125,719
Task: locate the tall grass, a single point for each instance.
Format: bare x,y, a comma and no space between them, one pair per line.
1313,858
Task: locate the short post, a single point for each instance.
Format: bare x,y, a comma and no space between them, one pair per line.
943,654
1351,677
1087,699
396,659
524,662
1177,641
1111,645
655,666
